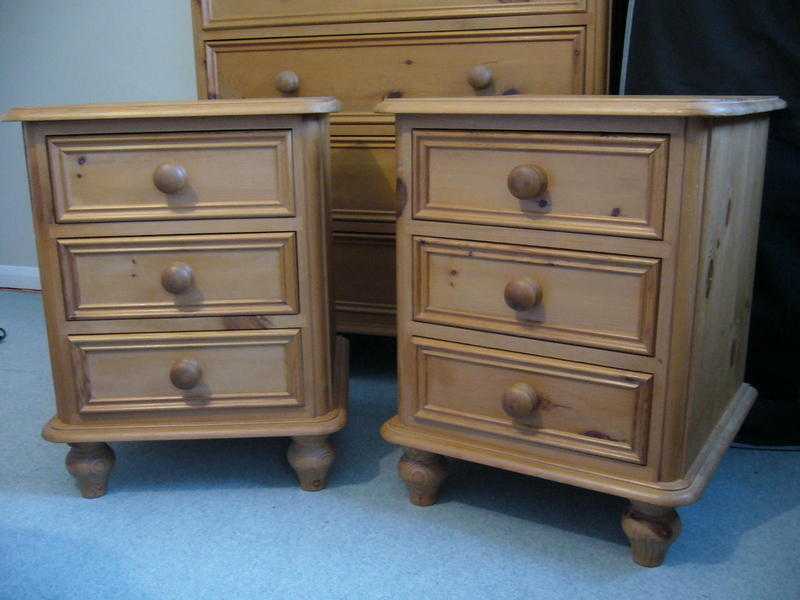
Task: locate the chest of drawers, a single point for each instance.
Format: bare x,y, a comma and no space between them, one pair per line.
575,279
184,250
363,51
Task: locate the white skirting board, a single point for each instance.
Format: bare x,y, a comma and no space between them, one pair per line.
25,278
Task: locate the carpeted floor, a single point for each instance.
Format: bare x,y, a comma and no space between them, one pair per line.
225,519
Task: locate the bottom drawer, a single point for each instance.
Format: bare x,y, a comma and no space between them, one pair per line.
188,371
498,395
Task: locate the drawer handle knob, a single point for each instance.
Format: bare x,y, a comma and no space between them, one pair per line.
287,82
522,294
170,179
520,401
185,373
527,182
177,278
480,77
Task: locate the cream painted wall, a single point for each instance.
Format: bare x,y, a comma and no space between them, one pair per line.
81,51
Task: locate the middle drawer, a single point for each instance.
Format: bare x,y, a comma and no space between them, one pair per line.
585,298
180,275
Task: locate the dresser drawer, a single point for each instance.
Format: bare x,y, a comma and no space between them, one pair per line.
363,178
172,176
179,276
223,14
613,184
126,373
534,60
497,395
584,298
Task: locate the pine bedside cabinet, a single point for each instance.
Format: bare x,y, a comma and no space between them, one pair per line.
183,252
575,278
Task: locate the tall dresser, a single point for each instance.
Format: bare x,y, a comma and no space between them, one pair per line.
183,250
575,279
363,51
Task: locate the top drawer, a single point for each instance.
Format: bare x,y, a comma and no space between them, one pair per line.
222,14
166,176
604,183
362,70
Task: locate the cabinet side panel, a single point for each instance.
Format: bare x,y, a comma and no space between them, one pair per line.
732,205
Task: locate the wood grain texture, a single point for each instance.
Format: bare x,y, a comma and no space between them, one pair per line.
731,211
114,177
221,14
463,177
91,464
477,383
592,299
252,352
537,60
623,106
129,373
580,407
362,52
234,274
171,110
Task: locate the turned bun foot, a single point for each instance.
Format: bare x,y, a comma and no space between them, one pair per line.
651,530
90,464
423,473
311,458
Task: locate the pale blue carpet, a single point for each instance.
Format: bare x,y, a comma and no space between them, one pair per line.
226,519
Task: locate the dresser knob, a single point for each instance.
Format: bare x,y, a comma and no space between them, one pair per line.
177,278
170,179
520,401
185,373
480,77
522,294
287,82
527,182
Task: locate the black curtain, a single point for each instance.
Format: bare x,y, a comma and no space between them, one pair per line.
744,47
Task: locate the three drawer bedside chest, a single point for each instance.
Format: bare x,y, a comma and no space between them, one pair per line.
575,279
183,251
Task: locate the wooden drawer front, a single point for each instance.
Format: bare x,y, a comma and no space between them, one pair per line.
225,174
362,70
589,299
575,406
364,273
611,184
188,371
179,276
221,14
363,178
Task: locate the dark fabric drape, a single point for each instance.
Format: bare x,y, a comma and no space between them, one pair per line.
744,47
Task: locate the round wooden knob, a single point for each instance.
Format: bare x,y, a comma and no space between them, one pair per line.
177,278
287,82
480,77
527,182
522,294
520,401
185,373
170,179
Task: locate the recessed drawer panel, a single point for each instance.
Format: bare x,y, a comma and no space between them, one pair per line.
584,298
498,395
172,176
362,70
179,276
613,184
363,178
188,371
364,273
220,14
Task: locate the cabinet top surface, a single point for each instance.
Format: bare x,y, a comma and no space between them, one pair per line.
634,106
197,108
